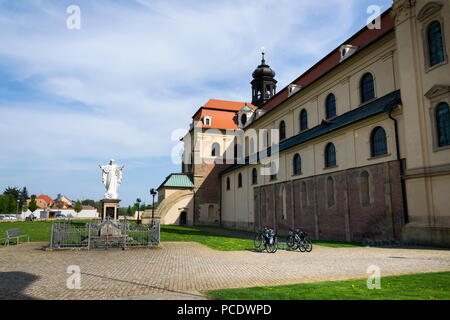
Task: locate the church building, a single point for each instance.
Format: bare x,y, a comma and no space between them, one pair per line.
355,148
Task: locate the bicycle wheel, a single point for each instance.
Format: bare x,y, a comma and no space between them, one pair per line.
273,247
301,246
307,245
258,242
290,242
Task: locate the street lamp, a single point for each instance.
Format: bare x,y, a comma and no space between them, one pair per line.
18,202
153,192
138,200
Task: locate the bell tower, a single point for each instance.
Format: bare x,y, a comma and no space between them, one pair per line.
263,84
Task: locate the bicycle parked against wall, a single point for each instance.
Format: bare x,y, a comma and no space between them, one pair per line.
267,238
298,240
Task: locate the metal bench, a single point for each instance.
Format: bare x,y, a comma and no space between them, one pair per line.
6,240
15,234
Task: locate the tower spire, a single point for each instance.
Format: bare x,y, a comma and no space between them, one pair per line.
263,84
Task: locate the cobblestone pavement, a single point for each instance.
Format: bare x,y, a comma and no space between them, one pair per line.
180,270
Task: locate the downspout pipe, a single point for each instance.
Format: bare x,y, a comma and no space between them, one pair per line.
402,172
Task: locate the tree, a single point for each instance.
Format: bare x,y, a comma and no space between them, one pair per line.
78,206
129,211
32,206
13,191
3,204
88,202
23,197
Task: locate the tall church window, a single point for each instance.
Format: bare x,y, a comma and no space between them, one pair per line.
367,88
297,164
378,142
215,150
251,146
282,130
303,120
435,43
443,124
254,176
330,106
273,171
330,155
240,180
330,192
365,189
228,183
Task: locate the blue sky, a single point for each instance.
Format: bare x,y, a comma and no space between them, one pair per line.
134,74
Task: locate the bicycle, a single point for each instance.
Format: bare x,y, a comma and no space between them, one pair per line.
298,240
268,238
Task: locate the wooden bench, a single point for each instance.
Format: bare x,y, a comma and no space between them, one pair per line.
15,234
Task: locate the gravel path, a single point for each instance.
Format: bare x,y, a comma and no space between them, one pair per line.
181,270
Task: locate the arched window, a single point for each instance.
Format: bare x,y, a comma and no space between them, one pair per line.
330,106
365,189
378,142
330,192
240,180
435,43
244,119
330,155
367,88
297,164
282,130
254,176
228,183
303,120
215,150
443,124
235,148
304,195
283,202
273,171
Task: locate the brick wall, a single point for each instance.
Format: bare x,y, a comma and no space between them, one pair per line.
345,218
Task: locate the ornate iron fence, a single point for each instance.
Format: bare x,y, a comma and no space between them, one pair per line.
105,234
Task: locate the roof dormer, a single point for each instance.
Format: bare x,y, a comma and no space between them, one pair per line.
293,88
347,50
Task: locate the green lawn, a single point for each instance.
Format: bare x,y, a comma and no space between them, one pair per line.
39,231
214,241
427,286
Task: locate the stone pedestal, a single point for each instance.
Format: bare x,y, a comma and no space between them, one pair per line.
110,208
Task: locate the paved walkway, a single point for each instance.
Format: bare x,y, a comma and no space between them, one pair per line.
181,270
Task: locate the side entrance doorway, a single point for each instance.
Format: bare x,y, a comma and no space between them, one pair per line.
183,218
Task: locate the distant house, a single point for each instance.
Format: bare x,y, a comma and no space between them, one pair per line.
44,201
64,202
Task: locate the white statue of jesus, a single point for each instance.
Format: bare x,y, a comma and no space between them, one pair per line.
111,178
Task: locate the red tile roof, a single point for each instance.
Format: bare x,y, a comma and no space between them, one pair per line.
45,198
222,114
361,39
227,105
